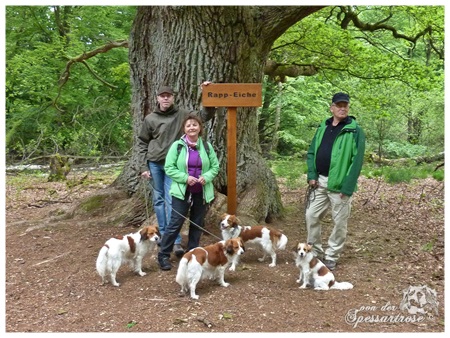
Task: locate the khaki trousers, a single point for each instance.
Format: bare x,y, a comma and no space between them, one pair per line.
320,200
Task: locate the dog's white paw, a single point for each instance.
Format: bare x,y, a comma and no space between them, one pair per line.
194,296
272,265
232,268
142,273
225,285
302,286
261,259
116,284
298,281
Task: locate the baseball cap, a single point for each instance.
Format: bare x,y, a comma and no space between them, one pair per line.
340,97
165,89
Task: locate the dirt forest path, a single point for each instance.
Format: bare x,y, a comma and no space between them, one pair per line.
395,244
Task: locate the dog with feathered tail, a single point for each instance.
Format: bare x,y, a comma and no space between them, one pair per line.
209,262
130,249
313,272
267,238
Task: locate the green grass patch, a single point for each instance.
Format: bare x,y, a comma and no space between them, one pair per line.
112,172
372,172
24,180
291,169
438,175
429,246
397,174
93,203
131,323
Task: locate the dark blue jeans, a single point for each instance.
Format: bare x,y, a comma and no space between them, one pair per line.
162,200
180,209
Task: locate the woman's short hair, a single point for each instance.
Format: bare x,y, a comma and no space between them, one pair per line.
193,117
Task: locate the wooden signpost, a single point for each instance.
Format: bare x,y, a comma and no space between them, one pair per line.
232,95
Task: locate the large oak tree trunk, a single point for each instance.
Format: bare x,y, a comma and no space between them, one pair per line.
182,46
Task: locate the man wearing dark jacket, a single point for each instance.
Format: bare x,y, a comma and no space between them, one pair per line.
334,160
159,130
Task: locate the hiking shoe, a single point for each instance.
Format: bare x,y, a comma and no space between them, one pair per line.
178,250
164,263
331,265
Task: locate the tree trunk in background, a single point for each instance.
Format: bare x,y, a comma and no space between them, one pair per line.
276,125
181,46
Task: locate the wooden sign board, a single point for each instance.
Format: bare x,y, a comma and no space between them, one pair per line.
232,95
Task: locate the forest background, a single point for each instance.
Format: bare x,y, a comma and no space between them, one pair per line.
58,100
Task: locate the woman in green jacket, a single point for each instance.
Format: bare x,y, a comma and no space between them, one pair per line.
192,165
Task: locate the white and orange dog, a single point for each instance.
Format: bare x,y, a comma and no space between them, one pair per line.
313,272
269,239
129,249
207,262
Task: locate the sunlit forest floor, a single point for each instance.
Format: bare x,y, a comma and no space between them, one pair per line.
395,242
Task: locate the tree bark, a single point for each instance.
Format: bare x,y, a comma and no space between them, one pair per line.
181,46
276,125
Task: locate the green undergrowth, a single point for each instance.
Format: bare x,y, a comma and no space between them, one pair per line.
22,177
292,170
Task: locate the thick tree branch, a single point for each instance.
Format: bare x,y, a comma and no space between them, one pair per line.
280,71
277,19
437,50
98,77
351,16
82,59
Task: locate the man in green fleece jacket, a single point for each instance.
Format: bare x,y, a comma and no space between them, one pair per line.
334,160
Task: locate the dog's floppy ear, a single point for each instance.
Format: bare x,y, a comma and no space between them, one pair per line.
144,233
234,220
242,243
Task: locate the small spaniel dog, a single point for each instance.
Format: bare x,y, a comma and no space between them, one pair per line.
313,272
130,249
269,239
207,262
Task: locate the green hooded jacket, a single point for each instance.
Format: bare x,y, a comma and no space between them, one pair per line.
176,168
347,156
